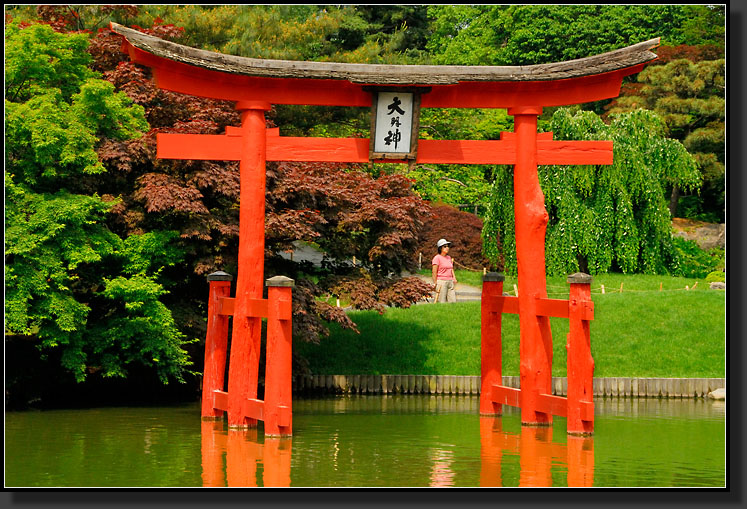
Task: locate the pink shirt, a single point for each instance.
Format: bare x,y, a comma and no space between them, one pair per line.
445,269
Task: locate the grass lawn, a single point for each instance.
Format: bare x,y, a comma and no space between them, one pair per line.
641,332
557,286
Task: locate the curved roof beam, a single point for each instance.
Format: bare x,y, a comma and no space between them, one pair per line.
380,74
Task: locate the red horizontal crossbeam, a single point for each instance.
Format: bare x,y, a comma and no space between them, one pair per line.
553,405
506,395
258,308
546,403
356,150
251,408
555,308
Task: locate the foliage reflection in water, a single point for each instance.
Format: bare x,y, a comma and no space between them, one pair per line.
371,441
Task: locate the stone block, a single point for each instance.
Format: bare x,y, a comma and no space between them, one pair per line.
718,394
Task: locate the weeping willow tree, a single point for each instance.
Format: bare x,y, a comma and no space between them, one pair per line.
601,217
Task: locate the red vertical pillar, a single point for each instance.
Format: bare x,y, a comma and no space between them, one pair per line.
580,462
277,462
243,453
535,347
216,344
580,363
491,451
490,342
278,377
213,441
243,371
535,457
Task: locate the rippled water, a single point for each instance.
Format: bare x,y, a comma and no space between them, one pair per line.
351,441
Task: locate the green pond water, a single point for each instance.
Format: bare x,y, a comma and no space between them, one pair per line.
364,441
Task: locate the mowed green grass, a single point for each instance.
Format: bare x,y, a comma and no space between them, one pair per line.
557,286
640,332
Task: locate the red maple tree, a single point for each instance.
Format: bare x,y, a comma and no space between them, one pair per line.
339,207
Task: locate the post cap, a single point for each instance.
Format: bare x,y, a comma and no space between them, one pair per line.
220,276
280,281
493,276
579,277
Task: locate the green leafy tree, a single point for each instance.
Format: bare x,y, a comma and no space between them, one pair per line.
73,286
535,34
523,35
601,217
689,97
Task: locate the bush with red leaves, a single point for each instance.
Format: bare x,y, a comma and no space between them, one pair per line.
339,207
462,229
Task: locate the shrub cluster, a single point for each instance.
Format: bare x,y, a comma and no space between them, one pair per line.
692,261
462,229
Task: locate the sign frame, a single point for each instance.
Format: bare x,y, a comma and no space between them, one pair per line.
415,128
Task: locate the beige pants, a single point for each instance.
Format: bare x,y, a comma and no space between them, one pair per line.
445,291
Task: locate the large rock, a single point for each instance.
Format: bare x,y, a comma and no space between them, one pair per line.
706,235
717,285
718,394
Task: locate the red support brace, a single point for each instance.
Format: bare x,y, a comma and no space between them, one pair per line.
580,363
490,339
278,378
216,344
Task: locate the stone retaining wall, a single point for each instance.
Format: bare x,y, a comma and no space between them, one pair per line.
452,384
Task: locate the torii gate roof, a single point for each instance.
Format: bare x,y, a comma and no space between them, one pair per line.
206,73
380,74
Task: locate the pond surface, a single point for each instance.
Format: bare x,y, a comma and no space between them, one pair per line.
362,441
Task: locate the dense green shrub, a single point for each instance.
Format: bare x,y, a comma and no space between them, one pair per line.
692,261
717,276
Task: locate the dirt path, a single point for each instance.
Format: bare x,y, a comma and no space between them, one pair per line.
463,292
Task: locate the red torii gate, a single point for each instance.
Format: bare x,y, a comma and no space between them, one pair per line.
255,84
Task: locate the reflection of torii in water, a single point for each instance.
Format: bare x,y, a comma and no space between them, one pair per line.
256,84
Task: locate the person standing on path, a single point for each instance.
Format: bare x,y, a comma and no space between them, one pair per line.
443,273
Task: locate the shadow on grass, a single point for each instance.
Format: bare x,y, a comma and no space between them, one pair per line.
424,339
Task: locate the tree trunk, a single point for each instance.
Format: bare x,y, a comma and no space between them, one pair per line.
674,200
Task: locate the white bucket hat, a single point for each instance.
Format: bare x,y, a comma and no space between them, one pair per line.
442,242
